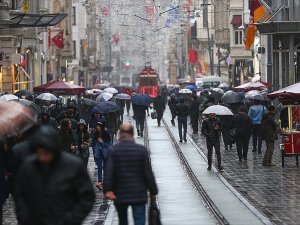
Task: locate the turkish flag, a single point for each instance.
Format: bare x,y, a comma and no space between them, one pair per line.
193,56
59,40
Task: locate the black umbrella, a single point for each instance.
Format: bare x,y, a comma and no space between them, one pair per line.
22,93
231,97
88,102
30,104
108,107
141,99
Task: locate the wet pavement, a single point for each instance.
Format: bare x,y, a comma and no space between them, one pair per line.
274,191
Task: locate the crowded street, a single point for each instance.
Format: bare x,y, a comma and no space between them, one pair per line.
153,112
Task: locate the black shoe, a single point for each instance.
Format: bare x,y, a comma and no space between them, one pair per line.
220,168
209,168
245,159
180,141
226,148
259,152
142,135
159,124
138,133
185,140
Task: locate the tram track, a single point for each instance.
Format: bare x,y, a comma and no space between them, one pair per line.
193,178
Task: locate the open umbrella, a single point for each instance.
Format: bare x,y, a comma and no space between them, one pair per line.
123,96
8,97
108,107
218,90
218,110
15,119
104,97
185,91
141,99
223,85
30,104
191,87
23,93
111,90
231,97
254,95
88,102
47,97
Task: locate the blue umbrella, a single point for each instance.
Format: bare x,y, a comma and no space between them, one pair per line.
107,107
191,87
141,99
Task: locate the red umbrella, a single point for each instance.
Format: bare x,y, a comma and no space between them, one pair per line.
287,94
60,87
250,86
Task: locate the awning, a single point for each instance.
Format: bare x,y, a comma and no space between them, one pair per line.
237,20
36,20
279,27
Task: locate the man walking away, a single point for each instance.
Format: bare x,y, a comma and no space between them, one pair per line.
269,134
139,116
60,190
182,112
128,177
172,106
243,125
210,129
159,106
194,114
256,113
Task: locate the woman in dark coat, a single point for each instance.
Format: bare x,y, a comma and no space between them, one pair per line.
159,105
83,141
67,136
101,141
243,126
226,127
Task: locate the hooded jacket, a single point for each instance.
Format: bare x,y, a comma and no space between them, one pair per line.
49,121
57,194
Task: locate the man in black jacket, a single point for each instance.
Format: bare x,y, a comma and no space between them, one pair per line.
182,112
194,114
139,112
172,106
52,187
159,105
128,177
210,129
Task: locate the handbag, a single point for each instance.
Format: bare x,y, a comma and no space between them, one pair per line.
154,214
154,115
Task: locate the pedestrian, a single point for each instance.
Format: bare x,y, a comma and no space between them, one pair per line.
139,116
256,112
228,139
101,141
194,113
242,125
95,118
128,105
182,112
67,136
269,134
112,123
172,106
159,106
202,100
60,190
128,177
211,130
58,110
121,103
47,120
83,142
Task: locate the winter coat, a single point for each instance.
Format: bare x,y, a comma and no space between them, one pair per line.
159,104
209,131
269,127
243,125
194,110
68,139
202,100
172,104
139,111
49,122
128,173
60,193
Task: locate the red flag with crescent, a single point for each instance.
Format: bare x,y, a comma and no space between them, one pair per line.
59,40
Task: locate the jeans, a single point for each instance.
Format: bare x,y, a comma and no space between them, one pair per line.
257,141
210,145
269,152
139,213
182,123
99,163
242,144
140,125
173,116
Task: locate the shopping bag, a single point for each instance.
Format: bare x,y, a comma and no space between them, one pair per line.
154,115
154,214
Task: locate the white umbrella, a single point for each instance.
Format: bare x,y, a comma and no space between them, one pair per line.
218,110
218,90
47,97
104,97
123,96
8,97
252,93
185,91
111,90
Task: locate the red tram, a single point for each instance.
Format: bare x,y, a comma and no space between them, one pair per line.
148,81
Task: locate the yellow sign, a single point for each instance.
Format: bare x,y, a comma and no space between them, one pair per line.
25,6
